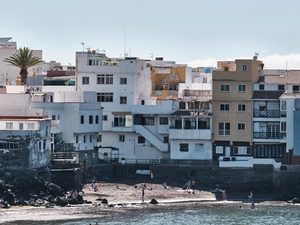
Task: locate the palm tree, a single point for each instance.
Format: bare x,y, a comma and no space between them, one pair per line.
23,58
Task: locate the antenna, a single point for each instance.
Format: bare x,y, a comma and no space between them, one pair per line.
124,42
82,43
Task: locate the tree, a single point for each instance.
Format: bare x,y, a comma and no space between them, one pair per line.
23,58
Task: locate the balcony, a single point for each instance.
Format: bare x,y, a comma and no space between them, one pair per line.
266,113
266,135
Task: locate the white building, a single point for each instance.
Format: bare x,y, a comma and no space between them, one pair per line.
8,73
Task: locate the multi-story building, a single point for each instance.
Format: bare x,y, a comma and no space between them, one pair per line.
232,107
9,74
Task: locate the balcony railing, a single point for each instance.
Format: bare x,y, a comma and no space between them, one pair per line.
266,113
266,135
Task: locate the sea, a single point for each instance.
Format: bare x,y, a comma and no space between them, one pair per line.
228,213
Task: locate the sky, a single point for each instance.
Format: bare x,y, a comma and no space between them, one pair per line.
193,32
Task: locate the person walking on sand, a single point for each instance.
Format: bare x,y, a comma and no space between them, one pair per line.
250,197
143,193
189,186
224,195
193,186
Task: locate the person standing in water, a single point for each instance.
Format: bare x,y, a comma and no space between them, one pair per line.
143,193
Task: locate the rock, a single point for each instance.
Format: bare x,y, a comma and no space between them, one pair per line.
104,201
153,201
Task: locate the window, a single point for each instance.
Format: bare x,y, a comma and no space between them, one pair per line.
277,151
203,123
244,67
241,107
105,79
30,126
121,138
224,88
224,107
141,140
91,138
122,121
143,102
189,123
85,80
9,126
21,126
166,139
204,80
82,119
84,139
262,151
184,147
242,88
283,105
295,89
280,87
226,68
241,126
283,126
104,117
219,149
97,119
123,80
163,120
148,121
53,117
123,100
244,150
199,147
90,119
224,129
99,138
261,87
76,139
105,97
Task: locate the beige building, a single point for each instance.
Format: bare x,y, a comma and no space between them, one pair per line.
232,106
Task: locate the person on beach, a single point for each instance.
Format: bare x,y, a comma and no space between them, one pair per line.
165,185
193,186
250,197
143,193
252,205
189,186
224,195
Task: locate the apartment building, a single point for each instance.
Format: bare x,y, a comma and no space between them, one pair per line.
232,107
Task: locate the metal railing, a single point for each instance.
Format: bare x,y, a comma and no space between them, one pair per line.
266,113
266,135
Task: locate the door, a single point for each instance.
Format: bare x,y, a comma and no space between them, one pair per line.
227,151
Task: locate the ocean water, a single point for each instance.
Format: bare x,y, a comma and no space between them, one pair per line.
200,213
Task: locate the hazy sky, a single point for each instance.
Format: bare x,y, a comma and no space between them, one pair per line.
197,32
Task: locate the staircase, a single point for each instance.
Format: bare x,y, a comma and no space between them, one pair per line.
163,147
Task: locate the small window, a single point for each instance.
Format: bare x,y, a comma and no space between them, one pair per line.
245,67
241,126
296,89
283,105
280,87
241,107
123,100
21,126
82,119
166,139
9,126
121,138
143,102
224,88
224,107
99,138
283,126
226,68
141,140
97,119
123,80
242,150
84,139
261,87
76,139
85,80
163,120
90,119
224,129
184,147
104,117
242,88
148,121
53,117
219,149
91,138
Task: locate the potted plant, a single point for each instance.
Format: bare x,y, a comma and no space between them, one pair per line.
123,160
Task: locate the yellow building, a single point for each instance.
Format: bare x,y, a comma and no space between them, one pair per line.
232,106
